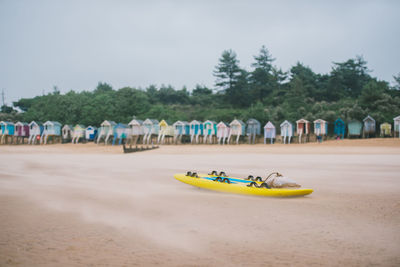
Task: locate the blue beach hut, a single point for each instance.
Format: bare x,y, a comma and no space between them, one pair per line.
209,130
50,128
339,128
35,131
253,129
90,133
150,127
196,129
121,132
181,128
354,128
7,129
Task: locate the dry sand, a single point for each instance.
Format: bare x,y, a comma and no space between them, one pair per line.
88,205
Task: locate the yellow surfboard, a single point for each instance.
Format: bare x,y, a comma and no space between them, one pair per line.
239,186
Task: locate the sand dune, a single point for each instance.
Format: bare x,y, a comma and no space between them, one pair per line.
80,205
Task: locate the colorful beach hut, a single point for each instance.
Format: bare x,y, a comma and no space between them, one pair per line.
396,126
136,130
386,129
303,129
120,132
50,129
339,128
35,131
369,126
238,128
150,127
320,129
209,131
106,131
253,129
196,129
354,128
286,131
166,130
90,133
78,133
222,132
66,132
21,131
7,130
269,132
181,128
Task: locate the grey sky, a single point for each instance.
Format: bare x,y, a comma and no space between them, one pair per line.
76,44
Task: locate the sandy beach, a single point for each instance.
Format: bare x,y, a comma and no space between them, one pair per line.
89,205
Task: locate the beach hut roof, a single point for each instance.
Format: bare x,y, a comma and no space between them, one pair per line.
284,123
253,122
151,121
302,121
91,127
21,123
121,125
236,121
319,121
55,123
368,118
135,122
67,126
209,121
221,123
386,124
339,119
195,122
6,122
164,123
34,122
108,123
397,118
269,125
80,126
180,123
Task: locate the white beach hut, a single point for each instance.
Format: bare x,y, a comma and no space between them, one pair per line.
66,132
223,131
396,126
269,132
238,128
106,131
136,130
150,127
286,131
50,129
35,131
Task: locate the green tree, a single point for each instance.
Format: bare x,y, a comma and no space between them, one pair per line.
262,79
347,78
227,71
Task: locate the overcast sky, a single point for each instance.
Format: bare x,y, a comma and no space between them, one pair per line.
76,44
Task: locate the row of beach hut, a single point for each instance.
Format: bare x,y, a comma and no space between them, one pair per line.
152,131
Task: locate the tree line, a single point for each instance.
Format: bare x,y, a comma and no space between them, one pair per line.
266,93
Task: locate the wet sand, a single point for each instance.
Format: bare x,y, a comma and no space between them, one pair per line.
89,205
